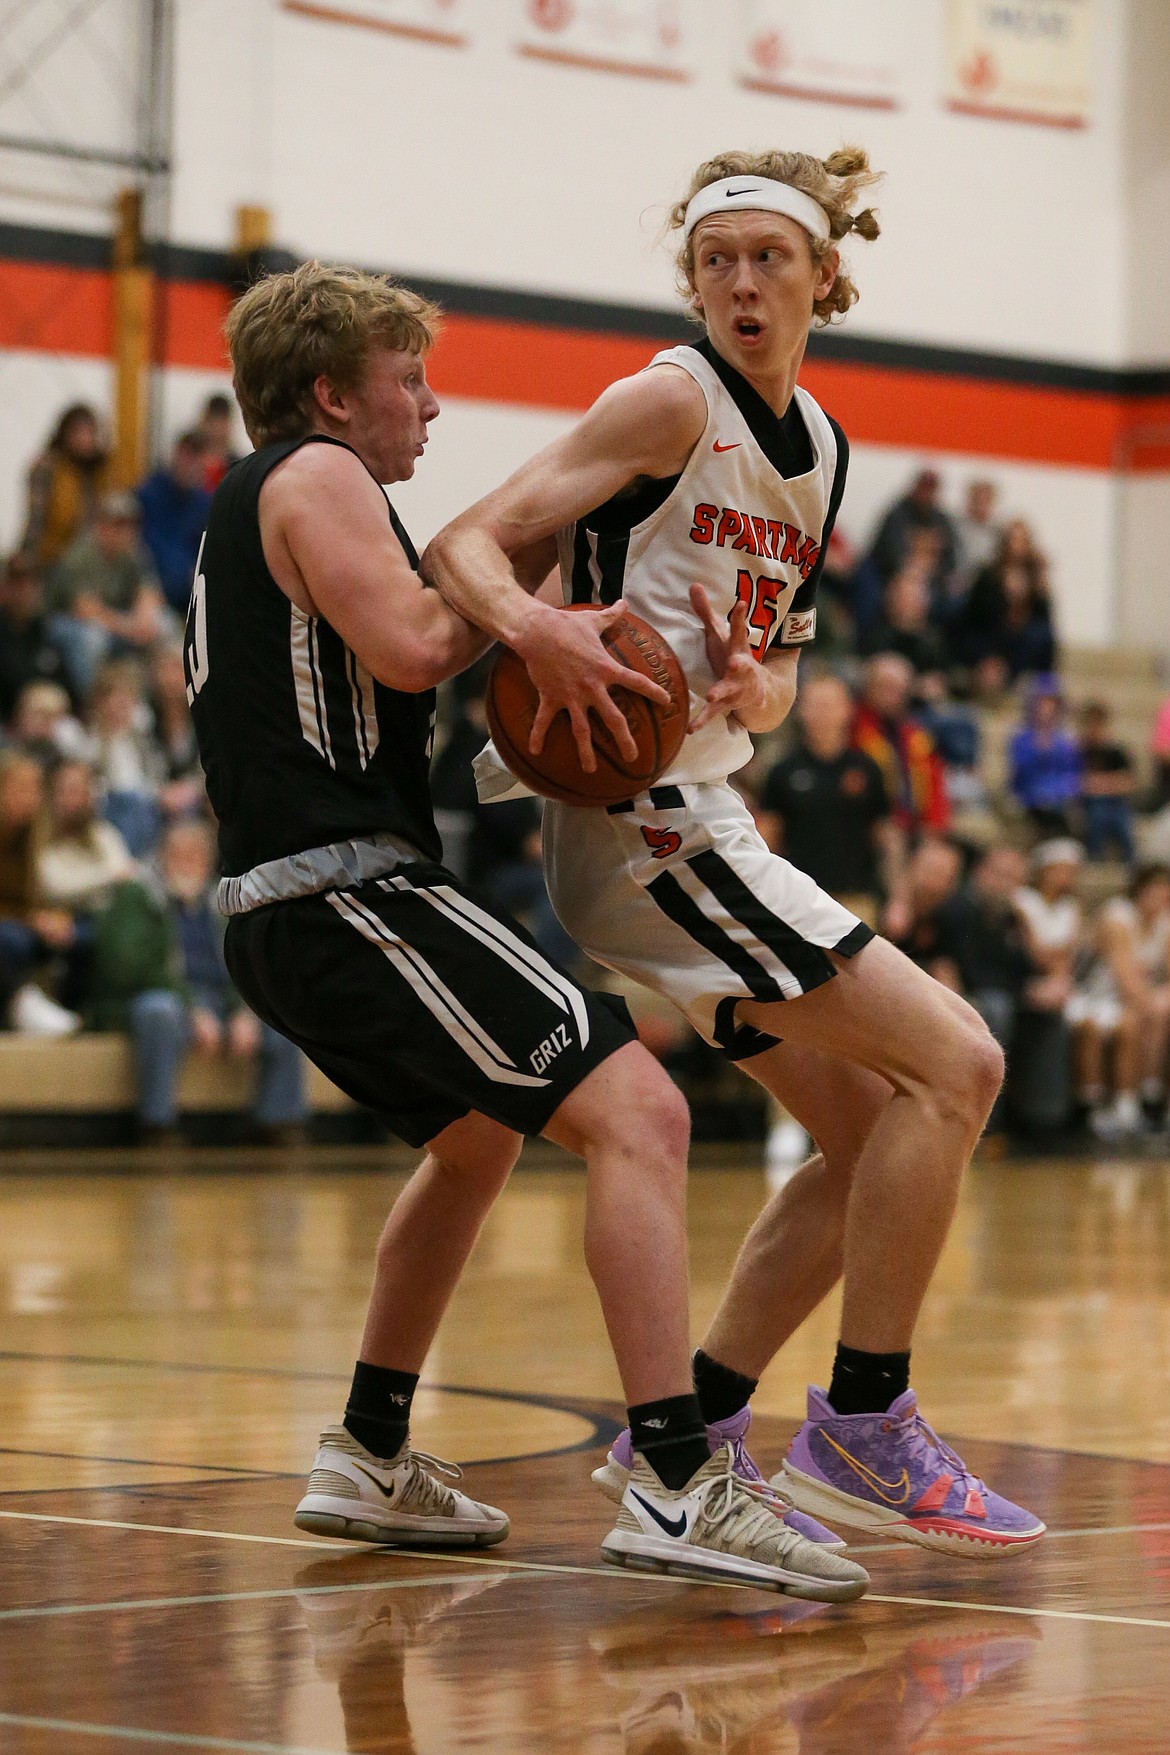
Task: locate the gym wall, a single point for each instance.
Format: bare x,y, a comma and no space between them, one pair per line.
1014,319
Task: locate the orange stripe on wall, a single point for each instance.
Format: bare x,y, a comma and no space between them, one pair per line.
49,309
69,310
192,314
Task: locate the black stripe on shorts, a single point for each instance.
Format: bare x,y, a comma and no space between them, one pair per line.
810,965
674,902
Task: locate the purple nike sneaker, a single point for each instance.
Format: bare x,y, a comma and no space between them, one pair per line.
614,1474
892,1474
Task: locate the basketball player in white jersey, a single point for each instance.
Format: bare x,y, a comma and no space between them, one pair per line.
712,465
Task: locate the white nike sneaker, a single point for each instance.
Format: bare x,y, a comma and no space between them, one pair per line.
396,1501
721,1527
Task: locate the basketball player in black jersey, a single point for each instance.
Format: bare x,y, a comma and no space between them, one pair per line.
312,653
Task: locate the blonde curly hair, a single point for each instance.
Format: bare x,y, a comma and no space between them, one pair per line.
834,182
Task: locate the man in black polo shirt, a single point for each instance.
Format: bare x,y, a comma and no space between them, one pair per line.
825,806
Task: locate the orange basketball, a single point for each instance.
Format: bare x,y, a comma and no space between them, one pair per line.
556,772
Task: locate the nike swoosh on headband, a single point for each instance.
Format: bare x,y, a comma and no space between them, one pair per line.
672,1526
734,446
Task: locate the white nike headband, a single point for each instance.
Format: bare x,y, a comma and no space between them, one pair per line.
747,194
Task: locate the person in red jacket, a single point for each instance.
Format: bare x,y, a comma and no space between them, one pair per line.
903,749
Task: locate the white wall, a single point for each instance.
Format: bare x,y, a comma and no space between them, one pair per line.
476,164
83,90
1146,264
1143,617
482,166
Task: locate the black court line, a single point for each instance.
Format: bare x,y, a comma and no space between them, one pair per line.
131,1462
604,1427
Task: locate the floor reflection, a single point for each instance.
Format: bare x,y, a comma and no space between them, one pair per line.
488,1663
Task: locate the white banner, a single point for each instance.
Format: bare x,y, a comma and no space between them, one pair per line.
616,36
430,21
834,51
1031,61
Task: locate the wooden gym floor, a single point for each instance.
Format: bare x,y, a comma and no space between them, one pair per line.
171,1341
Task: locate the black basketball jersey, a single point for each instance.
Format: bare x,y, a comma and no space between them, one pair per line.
301,746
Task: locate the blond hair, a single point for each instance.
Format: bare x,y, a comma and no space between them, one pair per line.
290,329
834,182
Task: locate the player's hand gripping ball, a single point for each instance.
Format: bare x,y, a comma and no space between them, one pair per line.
658,731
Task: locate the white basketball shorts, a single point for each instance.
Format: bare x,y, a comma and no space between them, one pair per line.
678,890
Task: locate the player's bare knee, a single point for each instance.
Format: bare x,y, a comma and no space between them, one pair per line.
485,1165
966,1076
658,1124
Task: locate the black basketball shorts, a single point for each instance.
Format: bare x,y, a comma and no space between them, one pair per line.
424,1002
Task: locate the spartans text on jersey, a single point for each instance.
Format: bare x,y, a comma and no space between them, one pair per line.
767,537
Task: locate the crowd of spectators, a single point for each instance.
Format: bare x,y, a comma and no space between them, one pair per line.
107,916
879,787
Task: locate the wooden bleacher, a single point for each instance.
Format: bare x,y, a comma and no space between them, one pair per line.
83,1087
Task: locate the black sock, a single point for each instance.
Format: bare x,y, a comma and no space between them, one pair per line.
377,1413
866,1383
672,1437
721,1391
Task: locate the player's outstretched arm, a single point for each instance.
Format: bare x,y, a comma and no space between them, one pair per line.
641,427
331,548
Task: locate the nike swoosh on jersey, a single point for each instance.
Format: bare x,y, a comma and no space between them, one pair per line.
386,1492
884,1489
672,1526
734,446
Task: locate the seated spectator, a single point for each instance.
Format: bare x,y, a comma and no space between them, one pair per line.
81,857
984,939
1160,750
826,808
174,504
103,594
1107,787
43,725
918,510
159,973
181,792
1053,926
932,879
978,536
1121,1008
905,624
214,428
30,934
888,732
1045,762
1004,629
29,651
127,761
63,486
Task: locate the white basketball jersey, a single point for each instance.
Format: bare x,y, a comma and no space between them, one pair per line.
732,522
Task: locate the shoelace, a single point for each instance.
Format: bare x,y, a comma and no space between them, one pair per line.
923,1435
424,1487
746,1521
745,1466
